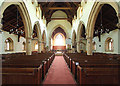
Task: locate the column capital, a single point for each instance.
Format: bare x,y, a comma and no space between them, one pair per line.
42,42
118,25
1,16
78,41
119,14
89,38
1,26
39,41
28,38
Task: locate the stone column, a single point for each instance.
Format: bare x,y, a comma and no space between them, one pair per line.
73,49
78,46
44,45
39,46
69,46
28,46
89,46
49,48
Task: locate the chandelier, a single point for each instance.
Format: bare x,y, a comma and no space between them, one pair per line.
101,29
17,29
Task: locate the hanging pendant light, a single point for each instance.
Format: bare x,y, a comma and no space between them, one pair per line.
17,19
101,28
101,25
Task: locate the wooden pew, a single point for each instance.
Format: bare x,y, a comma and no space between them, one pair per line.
37,62
11,55
98,76
22,75
90,62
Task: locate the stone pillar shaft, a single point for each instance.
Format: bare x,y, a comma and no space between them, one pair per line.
28,46
78,47
89,46
39,46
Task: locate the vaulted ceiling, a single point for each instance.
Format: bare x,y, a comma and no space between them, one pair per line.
70,8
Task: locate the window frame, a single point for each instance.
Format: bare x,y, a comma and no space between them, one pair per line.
11,45
107,45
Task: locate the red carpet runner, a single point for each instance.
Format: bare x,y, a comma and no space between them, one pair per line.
59,73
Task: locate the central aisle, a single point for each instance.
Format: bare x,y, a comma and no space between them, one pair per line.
59,73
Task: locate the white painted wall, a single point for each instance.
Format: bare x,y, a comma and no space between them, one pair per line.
17,45
54,24
114,35
85,15
32,13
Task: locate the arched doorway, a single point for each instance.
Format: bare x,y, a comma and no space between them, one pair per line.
103,19
16,21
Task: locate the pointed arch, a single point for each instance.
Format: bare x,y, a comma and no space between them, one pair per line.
92,19
9,44
26,20
38,30
23,46
94,13
109,45
24,14
61,36
94,46
81,28
59,25
36,34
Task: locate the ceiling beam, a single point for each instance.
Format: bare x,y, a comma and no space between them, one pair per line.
59,18
59,8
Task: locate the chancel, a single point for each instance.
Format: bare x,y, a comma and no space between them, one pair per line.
68,42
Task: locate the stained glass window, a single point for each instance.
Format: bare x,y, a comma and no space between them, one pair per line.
59,40
36,46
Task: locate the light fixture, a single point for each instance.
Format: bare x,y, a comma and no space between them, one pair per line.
17,19
16,29
101,29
